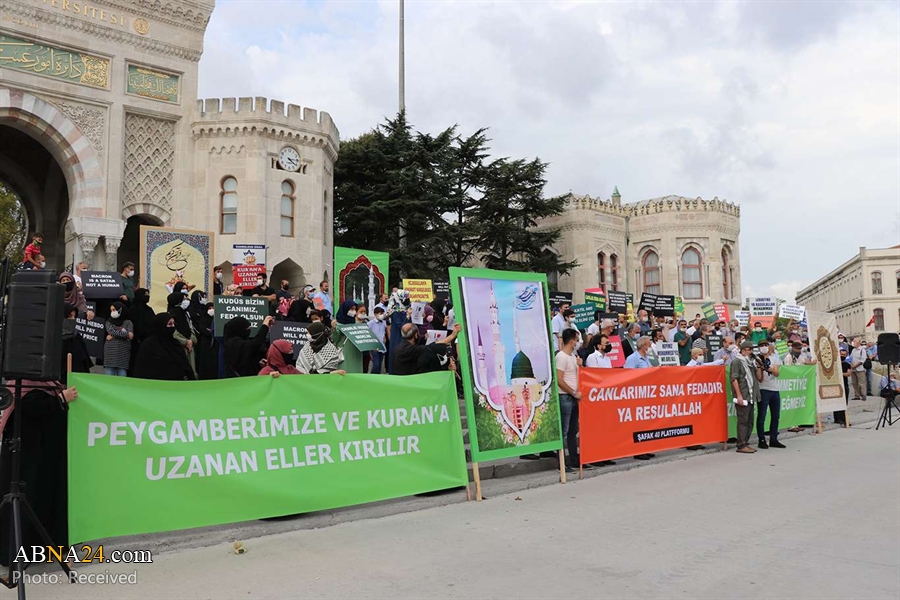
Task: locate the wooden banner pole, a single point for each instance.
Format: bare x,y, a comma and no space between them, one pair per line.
562,466
477,476
468,493
69,362
818,423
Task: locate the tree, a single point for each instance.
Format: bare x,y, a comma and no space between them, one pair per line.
12,224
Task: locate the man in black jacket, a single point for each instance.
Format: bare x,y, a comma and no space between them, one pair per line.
412,358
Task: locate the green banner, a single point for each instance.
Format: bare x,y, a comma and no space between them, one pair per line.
584,315
508,369
226,308
360,275
361,336
709,312
149,456
679,306
798,399
596,297
781,347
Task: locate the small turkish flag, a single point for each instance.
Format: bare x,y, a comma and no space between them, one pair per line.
871,321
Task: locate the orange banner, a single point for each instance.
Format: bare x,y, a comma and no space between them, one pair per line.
639,411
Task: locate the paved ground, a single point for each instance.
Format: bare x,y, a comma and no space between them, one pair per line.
817,520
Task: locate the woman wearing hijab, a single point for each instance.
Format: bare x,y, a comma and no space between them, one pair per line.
141,316
319,354
244,354
73,343
280,359
161,357
207,349
43,462
117,349
72,295
427,323
346,314
302,306
398,310
185,335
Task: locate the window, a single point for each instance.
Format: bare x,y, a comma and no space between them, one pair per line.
228,223
727,281
651,273
287,209
325,218
898,281
879,319
601,270
614,272
876,283
691,274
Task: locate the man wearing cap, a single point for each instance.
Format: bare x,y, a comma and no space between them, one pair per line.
745,376
770,398
797,356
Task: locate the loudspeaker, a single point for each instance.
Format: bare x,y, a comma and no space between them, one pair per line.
888,348
33,336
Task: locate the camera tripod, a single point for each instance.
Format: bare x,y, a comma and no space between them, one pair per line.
890,404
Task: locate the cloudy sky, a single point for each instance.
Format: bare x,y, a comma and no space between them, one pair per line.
790,109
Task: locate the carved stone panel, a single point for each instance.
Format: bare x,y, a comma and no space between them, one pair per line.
149,161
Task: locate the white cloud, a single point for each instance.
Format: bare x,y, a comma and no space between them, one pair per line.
790,109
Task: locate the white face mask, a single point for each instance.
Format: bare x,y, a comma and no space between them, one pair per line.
764,350
361,316
219,275
699,359
260,282
130,273
113,314
577,345
351,313
43,264
185,304
380,317
211,312
757,329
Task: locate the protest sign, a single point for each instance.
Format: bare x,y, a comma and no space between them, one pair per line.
508,372
637,411
295,333
829,376
713,345
616,355
352,439
434,335
742,316
557,299
584,315
665,306
763,310
441,289
709,311
781,347
596,297
648,302
102,285
792,311
617,302
797,388
171,256
418,313
721,312
93,333
419,290
668,354
679,305
629,312
362,337
360,275
248,261
226,308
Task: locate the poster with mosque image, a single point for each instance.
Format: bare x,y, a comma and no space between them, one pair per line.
506,363
169,256
359,275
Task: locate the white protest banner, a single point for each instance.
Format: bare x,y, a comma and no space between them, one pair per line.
667,353
248,261
742,316
763,307
434,335
792,311
829,375
418,313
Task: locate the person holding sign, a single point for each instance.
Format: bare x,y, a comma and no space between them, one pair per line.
243,354
319,355
745,377
413,358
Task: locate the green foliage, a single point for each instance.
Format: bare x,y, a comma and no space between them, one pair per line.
12,224
436,202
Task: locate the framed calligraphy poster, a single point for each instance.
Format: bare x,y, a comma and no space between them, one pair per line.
170,256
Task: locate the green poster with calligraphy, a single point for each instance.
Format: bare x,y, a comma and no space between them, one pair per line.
148,83
50,61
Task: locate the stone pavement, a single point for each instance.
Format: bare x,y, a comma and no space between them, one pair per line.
819,519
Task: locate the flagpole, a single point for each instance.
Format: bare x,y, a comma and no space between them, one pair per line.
402,63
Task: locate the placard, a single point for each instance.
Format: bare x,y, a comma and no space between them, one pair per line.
742,317
616,355
419,290
434,335
362,337
596,297
247,260
94,335
713,345
584,315
557,299
441,289
668,354
792,311
418,313
169,256
665,306
648,302
679,305
226,308
102,285
829,376
709,311
781,347
763,307
722,312
295,333
618,302
360,275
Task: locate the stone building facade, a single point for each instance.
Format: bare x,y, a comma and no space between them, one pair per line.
866,286
101,131
671,245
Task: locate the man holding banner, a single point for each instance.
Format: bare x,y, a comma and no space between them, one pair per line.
745,377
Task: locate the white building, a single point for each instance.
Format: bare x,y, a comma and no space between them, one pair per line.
866,286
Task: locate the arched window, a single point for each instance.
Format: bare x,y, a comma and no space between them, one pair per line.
229,202
876,283
898,281
325,218
614,272
287,209
691,274
601,270
727,275
651,272
879,319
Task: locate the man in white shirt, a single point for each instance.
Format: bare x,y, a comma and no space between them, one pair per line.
698,359
567,322
598,359
558,323
324,297
858,371
567,380
728,352
770,398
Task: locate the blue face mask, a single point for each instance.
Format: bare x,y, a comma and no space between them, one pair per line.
636,336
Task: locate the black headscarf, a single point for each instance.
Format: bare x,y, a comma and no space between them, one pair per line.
320,335
119,308
140,314
182,319
161,356
237,327
342,317
198,305
242,353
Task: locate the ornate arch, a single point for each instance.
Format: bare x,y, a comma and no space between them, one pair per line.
65,142
141,210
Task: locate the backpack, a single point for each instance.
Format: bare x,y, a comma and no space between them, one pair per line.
284,305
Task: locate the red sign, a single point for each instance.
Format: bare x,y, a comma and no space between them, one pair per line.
721,312
638,411
616,356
